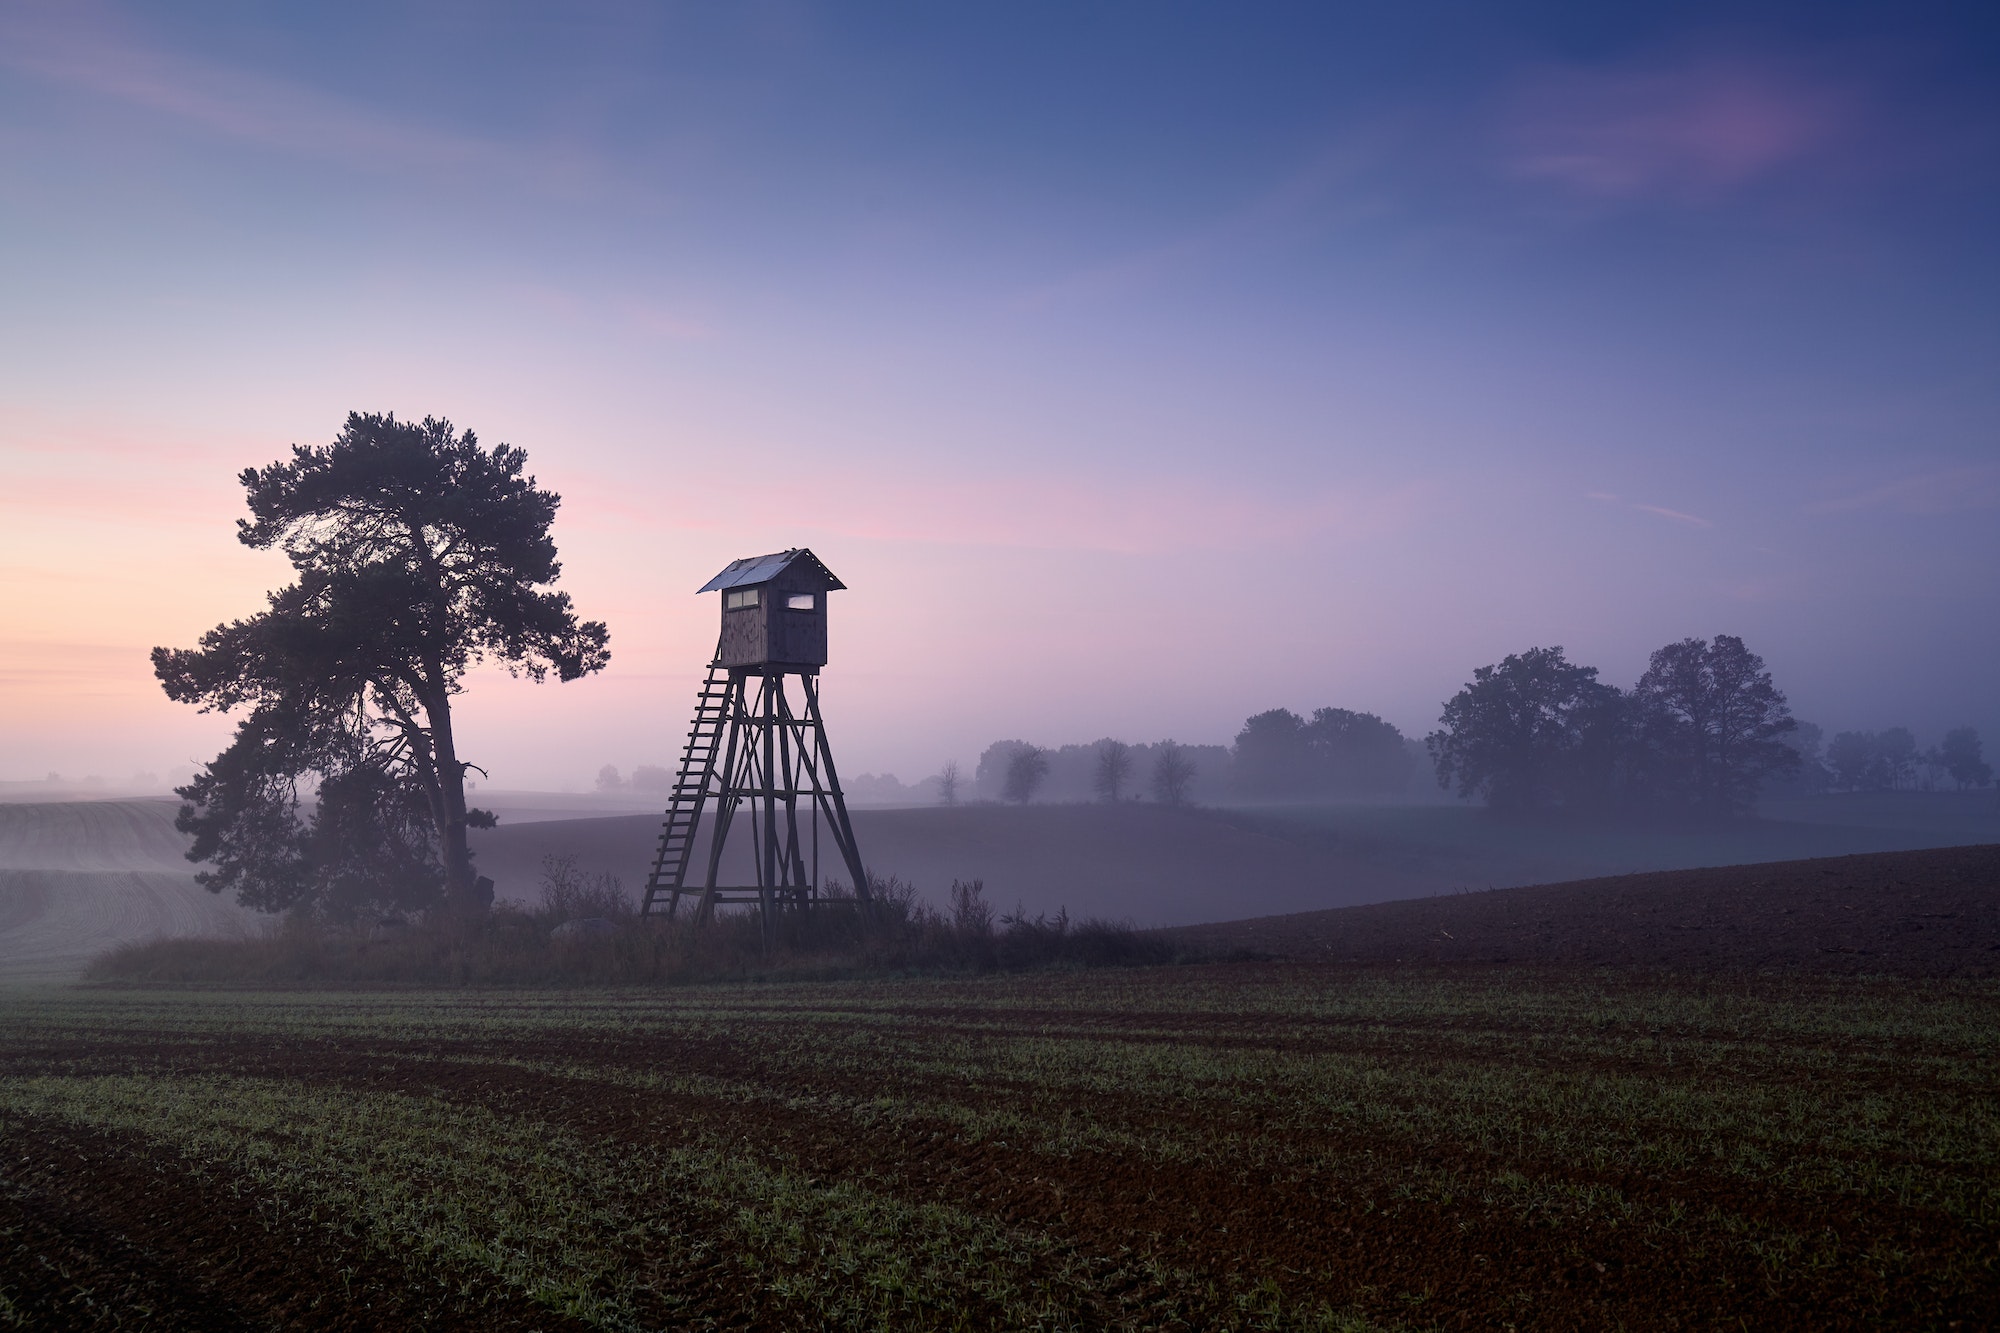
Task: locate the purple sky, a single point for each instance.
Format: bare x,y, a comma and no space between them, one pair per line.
1138,366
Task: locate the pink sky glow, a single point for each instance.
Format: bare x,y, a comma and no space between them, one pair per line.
1690,130
1135,382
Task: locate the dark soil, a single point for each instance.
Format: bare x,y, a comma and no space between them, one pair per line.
1916,914
106,1231
98,1231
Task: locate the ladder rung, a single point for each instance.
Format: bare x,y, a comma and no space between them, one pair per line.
690,790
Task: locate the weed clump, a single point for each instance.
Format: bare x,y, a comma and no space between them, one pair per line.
587,930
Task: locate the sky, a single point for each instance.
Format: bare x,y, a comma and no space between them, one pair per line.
1139,366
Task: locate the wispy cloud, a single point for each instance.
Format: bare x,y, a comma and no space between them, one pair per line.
105,471
87,49
1675,515
1688,131
1942,491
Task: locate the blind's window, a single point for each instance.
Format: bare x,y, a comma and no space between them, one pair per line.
738,598
800,601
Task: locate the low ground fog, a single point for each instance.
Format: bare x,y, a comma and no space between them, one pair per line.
77,878
1158,866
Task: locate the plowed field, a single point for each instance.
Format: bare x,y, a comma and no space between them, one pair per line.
1259,1145
1933,913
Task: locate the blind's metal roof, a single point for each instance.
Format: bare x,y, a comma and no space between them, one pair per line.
757,569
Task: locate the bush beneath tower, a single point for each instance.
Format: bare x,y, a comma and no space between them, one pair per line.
586,931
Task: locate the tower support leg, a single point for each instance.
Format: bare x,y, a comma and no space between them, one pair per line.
763,751
829,796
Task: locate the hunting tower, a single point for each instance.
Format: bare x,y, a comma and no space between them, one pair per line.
752,744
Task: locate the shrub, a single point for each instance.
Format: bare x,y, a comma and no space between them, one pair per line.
896,931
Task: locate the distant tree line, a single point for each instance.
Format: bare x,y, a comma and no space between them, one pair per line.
1704,731
646,777
1277,755
1111,770
1335,752
1889,760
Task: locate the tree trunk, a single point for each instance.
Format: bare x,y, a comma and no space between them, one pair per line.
452,839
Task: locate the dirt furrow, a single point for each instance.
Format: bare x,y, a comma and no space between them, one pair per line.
102,1231
1318,1239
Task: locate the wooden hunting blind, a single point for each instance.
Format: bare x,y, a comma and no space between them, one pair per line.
752,743
774,611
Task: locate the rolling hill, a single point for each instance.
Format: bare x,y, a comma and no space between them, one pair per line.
1163,867
79,877
1932,913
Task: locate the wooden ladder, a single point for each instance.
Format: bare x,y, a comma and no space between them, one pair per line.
690,792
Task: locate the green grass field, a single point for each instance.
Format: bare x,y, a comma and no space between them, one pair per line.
1221,1146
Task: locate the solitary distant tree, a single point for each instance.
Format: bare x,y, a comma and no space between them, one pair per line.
1173,773
1114,766
652,777
418,555
1025,770
1712,724
1270,756
1354,753
608,778
1961,758
1336,752
1517,734
948,781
